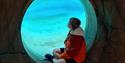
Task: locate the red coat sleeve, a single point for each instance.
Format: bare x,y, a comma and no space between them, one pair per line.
76,44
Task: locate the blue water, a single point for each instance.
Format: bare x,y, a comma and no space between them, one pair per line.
44,25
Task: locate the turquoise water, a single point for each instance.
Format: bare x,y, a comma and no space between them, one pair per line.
44,25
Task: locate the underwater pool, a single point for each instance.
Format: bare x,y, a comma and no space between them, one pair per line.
44,25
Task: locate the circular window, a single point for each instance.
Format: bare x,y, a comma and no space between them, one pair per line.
44,25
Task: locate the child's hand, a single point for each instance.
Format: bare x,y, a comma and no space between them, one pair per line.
56,56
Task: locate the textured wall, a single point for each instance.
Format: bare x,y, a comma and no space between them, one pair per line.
108,46
11,49
109,43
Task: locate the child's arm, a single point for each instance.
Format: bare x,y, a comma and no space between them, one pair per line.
64,54
76,44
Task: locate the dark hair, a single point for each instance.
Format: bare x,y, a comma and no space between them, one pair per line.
74,22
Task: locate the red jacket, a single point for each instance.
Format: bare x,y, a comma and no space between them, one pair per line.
75,48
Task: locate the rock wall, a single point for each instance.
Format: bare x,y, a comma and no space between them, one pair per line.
109,42
11,14
108,46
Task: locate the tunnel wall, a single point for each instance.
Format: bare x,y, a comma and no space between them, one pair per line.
11,14
108,46
109,42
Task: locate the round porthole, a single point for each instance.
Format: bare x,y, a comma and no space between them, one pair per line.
44,25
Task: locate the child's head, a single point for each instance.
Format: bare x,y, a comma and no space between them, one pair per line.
74,23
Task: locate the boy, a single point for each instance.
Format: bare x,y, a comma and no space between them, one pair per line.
75,47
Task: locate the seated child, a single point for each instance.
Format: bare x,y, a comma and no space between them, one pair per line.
75,47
